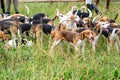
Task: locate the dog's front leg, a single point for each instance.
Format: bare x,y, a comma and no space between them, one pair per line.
54,44
76,48
83,48
93,46
117,45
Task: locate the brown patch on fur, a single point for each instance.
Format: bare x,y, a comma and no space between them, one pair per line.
37,29
4,36
61,27
73,37
72,17
14,16
104,19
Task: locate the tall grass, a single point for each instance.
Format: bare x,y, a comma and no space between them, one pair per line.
35,63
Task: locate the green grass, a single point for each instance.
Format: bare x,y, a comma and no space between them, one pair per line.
35,63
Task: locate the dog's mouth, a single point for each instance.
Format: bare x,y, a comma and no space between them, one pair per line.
106,30
77,22
91,40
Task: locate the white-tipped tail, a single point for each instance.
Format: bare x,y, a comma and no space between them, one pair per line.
97,17
28,10
90,13
83,8
74,8
58,12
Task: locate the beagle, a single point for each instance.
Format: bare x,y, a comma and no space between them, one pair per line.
76,39
39,16
111,34
13,43
43,21
10,28
87,23
39,28
18,17
72,21
68,20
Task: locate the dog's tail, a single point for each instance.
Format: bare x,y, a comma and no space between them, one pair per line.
74,8
59,27
28,10
116,16
58,12
97,17
90,13
54,18
113,20
83,8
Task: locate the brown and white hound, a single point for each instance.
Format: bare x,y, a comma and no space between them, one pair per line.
76,39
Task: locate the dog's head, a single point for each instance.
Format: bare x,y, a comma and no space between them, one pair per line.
101,26
75,18
104,19
86,20
89,35
62,17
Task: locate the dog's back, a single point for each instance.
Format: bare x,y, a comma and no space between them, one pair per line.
68,35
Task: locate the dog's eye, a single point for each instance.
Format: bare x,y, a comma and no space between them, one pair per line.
61,15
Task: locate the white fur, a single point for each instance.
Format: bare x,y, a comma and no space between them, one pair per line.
13,43
66,21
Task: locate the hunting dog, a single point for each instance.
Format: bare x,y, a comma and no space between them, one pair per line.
112,35
87,23
76,39
11,28
13,43
68,20
18,17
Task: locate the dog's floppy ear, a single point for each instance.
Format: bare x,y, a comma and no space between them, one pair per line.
94,34
89,23
101,19
53,33
97,27
82,35
63,28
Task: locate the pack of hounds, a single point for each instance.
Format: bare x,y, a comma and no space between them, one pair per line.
76,27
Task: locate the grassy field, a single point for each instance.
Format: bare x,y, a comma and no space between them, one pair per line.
35,63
